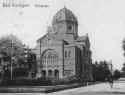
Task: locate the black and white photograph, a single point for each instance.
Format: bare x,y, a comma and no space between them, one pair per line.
62,47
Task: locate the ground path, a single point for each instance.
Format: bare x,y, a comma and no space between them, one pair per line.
97,89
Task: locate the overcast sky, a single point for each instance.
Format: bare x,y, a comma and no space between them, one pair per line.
103,20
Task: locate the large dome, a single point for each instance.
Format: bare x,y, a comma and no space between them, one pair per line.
64,14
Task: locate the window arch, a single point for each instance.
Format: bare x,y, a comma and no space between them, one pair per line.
50,73
56,73
65,54
43,73
69,53
49,57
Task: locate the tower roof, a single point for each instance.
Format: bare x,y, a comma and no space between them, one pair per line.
64,14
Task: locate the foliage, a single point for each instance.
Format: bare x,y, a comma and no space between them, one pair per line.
67,80
123,68
26,82
122,74
11,45
12,51
123,46
17,72
116,74
100,71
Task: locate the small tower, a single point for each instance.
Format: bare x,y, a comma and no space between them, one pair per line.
65,22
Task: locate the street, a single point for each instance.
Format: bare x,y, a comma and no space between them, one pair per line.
97,89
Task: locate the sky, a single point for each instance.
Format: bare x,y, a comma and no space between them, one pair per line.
103,20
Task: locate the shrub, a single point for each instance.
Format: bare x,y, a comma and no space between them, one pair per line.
26,82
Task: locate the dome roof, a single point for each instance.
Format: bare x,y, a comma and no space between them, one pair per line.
64,14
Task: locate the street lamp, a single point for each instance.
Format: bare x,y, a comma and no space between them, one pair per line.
110,67
12,62
12,58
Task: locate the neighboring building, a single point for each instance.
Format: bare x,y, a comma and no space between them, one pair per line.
61,53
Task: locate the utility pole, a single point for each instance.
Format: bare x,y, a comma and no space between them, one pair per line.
11,60
40,59
111,67
40,52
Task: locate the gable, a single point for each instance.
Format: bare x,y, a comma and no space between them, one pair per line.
48,39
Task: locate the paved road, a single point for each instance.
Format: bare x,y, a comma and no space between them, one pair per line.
98,89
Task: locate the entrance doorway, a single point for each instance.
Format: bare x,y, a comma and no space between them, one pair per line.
56,74
50,73
44,73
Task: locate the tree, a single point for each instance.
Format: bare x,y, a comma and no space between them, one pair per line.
116,74
123,46
30,59
100,71
11,45
13,53
123,68
11,49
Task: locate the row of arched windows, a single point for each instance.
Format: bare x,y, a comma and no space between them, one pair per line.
51,73
49,57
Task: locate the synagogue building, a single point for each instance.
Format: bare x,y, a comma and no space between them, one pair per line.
61,52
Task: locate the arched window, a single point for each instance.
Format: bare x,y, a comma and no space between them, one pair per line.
65,54
43,73
50,56
69,53
49,73
56,74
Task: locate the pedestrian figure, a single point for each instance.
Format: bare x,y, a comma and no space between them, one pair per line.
110,80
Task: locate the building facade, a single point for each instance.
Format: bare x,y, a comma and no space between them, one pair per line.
61,53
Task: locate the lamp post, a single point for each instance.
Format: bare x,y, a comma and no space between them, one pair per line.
11,67
9,46
39,65
11,61
12,58
111,67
